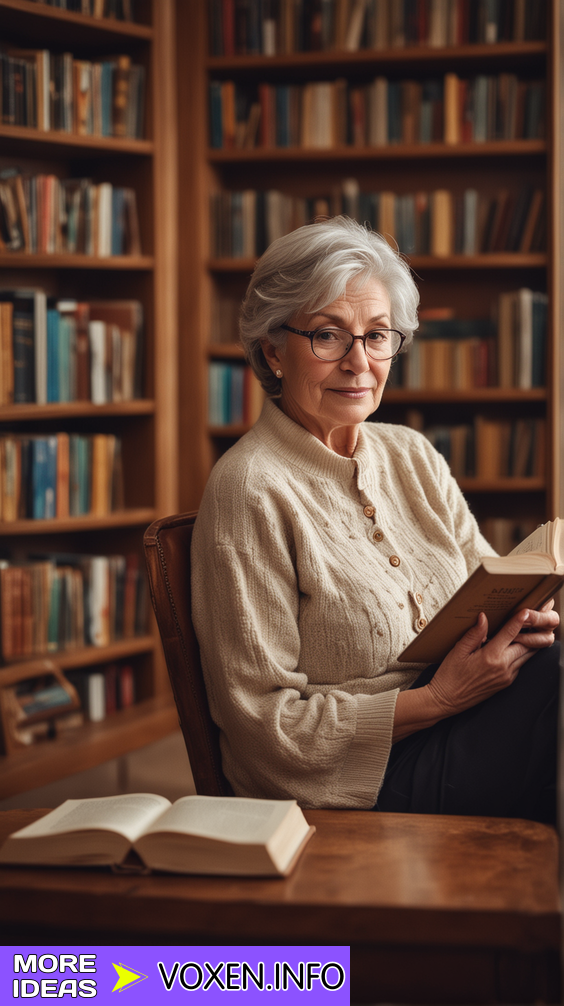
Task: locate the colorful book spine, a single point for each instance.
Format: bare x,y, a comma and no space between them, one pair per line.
61,602
327,114
32,217
288,26
58,354
59,476
235,396
437,223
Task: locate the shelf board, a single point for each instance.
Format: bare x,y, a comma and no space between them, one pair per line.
406,396
73,142
502,485
229,430
119,518
41,260
395,152
106,26
70,410
87,746
225,351
89,656
486,260
242,265
340,59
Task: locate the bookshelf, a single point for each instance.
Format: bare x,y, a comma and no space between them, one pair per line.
146,424
468,284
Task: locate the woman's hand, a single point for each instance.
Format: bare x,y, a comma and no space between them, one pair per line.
475,669
472,671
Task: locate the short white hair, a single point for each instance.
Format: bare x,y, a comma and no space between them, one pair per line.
307,270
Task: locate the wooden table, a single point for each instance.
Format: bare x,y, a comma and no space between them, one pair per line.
435,909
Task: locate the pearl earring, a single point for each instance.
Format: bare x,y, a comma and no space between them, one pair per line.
279,373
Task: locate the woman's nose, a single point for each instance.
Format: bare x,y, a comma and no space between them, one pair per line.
356,358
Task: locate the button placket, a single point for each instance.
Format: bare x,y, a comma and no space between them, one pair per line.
420,621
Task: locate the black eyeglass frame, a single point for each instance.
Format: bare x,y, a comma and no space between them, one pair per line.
362,338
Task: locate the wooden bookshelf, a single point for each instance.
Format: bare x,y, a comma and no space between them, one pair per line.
29,137
68,410
467,283
93,744
40,260
492,260
395,152
68,25
148,425
497,53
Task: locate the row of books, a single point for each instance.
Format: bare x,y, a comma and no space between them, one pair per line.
492,448
46,90
329,114
41,707
60,475
234,394
66,350
450,352
43,213
493,108
36,709
440,223
65,601
104,690
272,27
122,10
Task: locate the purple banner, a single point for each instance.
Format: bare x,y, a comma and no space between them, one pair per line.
148,975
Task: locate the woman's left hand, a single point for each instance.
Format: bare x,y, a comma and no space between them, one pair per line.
540,628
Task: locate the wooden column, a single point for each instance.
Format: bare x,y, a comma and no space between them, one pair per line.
166,256
556,236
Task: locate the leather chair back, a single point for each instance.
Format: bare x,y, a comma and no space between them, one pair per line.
167,553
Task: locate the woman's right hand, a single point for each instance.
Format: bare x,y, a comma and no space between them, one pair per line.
475,669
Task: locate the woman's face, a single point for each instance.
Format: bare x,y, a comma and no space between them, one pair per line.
331,398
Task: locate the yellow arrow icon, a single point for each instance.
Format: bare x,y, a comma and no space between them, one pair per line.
126,976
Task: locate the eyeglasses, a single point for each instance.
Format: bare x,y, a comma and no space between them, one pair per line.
333,344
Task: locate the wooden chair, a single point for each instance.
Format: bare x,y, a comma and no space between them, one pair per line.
167,552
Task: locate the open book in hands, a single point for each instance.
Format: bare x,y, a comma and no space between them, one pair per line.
197,834
501,585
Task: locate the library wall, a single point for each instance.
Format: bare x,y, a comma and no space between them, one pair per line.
436,125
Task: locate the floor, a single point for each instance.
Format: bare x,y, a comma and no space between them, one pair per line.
162,768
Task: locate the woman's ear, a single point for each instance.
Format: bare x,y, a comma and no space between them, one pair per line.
272,354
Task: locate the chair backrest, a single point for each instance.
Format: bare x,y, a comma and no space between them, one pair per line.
167,553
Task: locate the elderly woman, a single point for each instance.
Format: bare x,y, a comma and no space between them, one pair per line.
324,543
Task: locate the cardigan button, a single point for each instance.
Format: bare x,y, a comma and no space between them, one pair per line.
378,536
394,560
369,511
419,598
420,623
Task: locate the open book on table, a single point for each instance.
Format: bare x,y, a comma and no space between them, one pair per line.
500,586
197,834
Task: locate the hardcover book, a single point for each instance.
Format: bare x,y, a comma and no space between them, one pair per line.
229,836
500,586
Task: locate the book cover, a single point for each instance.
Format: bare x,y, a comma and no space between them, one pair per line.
499,586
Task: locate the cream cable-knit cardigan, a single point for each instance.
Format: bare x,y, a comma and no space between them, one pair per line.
311,573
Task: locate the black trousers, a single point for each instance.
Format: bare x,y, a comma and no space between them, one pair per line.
498,758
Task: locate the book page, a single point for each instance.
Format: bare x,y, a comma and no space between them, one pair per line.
127,815
538,541
232,819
